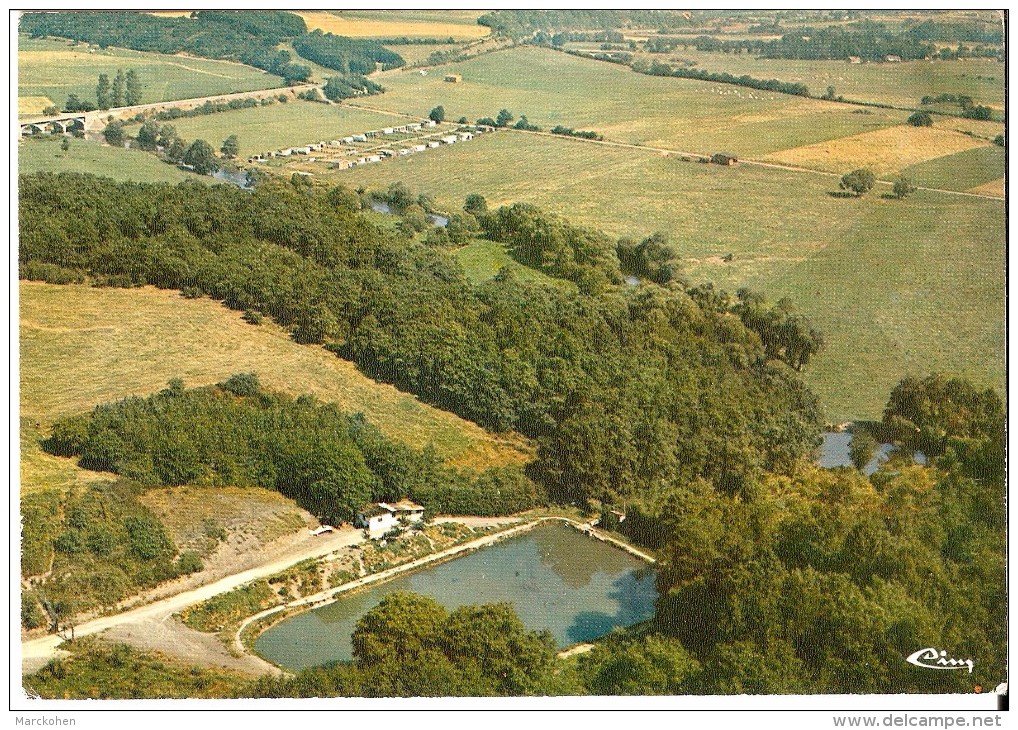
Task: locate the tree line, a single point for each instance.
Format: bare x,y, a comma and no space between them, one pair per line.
250,37
505,354
346,55
329,462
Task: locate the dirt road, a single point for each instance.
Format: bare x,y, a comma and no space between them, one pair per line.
36,652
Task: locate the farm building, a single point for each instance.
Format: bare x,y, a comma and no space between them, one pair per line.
413,127
434,143
450,139
723,158
419,147
387,130
359,138
453,78
892,59
464,136
347,140
379,518
431,123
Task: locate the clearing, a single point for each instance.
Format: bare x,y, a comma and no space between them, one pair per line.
898,287
56,68
82,346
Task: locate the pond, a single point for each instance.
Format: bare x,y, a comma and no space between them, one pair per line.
556,578
238,178
834,452
381,207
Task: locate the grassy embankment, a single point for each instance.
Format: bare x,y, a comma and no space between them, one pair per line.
898,287
53,69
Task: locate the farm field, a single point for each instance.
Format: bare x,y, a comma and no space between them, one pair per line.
45,155
969,170
885,151
82,346
56,68
994,187
900,84
280,125
461,25
898,287
553,88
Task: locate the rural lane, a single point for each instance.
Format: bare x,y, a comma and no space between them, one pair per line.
36,652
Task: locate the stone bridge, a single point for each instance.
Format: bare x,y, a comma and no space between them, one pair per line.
60,124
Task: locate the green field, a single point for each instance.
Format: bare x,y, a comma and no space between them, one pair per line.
280,125
553,88
962,171
481,260
45,155
900,84
56,68
82,346
899,287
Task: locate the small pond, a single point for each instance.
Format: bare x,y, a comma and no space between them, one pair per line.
834,452
556,578
381,207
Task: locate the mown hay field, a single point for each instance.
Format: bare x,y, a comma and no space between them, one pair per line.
553,88
885,151
45,155
899,84
899,287
273,127
994,187
82,346
394,24
57,68
33,104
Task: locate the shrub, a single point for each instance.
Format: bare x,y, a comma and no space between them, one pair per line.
242,384
921,119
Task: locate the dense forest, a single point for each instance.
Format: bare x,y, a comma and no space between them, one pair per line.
347,55
236,434
623,389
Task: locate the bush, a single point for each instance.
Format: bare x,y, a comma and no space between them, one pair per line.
189,562
921,119
252,317
242,384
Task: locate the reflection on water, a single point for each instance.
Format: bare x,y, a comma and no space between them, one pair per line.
834,452
555,578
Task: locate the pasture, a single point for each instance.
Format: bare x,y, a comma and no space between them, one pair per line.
553,88
969,170
461,25
82,346
899,84
280,125
898,287
56,68
45,155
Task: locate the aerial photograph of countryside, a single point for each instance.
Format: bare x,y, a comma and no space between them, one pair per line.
509,354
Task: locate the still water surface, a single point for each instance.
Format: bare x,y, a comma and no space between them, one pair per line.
556,579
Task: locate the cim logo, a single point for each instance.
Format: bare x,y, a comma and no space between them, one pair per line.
931,658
